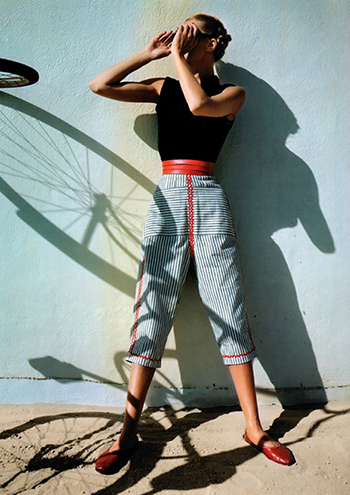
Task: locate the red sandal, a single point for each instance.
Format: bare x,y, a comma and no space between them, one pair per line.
109,462
280,453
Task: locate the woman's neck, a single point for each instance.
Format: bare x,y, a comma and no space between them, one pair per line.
204,76
203,73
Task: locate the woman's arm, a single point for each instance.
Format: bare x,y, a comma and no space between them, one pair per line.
192,90
229,101
108,83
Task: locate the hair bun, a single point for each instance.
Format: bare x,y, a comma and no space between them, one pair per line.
224,38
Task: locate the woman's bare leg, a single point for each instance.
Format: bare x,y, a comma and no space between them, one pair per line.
139,382
243,379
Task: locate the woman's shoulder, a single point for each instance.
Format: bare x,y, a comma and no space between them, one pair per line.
226,85
165,87
160,83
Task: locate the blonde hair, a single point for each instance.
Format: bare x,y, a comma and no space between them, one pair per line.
213,27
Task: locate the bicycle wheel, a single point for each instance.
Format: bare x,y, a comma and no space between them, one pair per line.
14,74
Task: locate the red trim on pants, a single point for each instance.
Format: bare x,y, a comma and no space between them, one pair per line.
138,303
190,213
145,357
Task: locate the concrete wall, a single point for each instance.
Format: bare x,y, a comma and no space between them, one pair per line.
78,172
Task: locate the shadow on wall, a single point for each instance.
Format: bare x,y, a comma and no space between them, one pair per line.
269,188
51,167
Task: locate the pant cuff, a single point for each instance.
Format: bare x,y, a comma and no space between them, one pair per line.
240,359
143,360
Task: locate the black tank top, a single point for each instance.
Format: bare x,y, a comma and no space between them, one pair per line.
184,135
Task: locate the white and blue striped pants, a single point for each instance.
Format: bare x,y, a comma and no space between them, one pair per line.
189,218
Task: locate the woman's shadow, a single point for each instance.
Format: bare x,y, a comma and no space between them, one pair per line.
269,189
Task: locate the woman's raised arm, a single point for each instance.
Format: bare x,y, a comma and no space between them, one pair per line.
108,83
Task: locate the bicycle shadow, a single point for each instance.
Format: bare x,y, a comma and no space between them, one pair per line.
269,188
32,460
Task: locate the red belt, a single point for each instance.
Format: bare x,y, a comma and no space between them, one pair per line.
184,166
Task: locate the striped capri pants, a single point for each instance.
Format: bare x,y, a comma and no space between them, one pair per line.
189,221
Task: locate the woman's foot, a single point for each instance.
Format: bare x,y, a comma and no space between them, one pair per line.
117,455
271,448
258,434
123,443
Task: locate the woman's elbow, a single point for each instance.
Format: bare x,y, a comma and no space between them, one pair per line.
94,87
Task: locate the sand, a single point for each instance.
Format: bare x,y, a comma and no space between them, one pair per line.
50,449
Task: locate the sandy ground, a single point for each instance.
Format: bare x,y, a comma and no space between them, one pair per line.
50,449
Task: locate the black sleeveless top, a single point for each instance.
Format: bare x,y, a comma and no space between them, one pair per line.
184,135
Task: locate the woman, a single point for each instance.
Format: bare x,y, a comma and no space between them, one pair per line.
188,221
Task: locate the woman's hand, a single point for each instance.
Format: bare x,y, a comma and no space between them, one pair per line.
160,46
186,38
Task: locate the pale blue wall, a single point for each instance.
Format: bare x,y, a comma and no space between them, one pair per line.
78,172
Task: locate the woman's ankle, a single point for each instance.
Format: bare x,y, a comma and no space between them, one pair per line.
254,426
128,434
